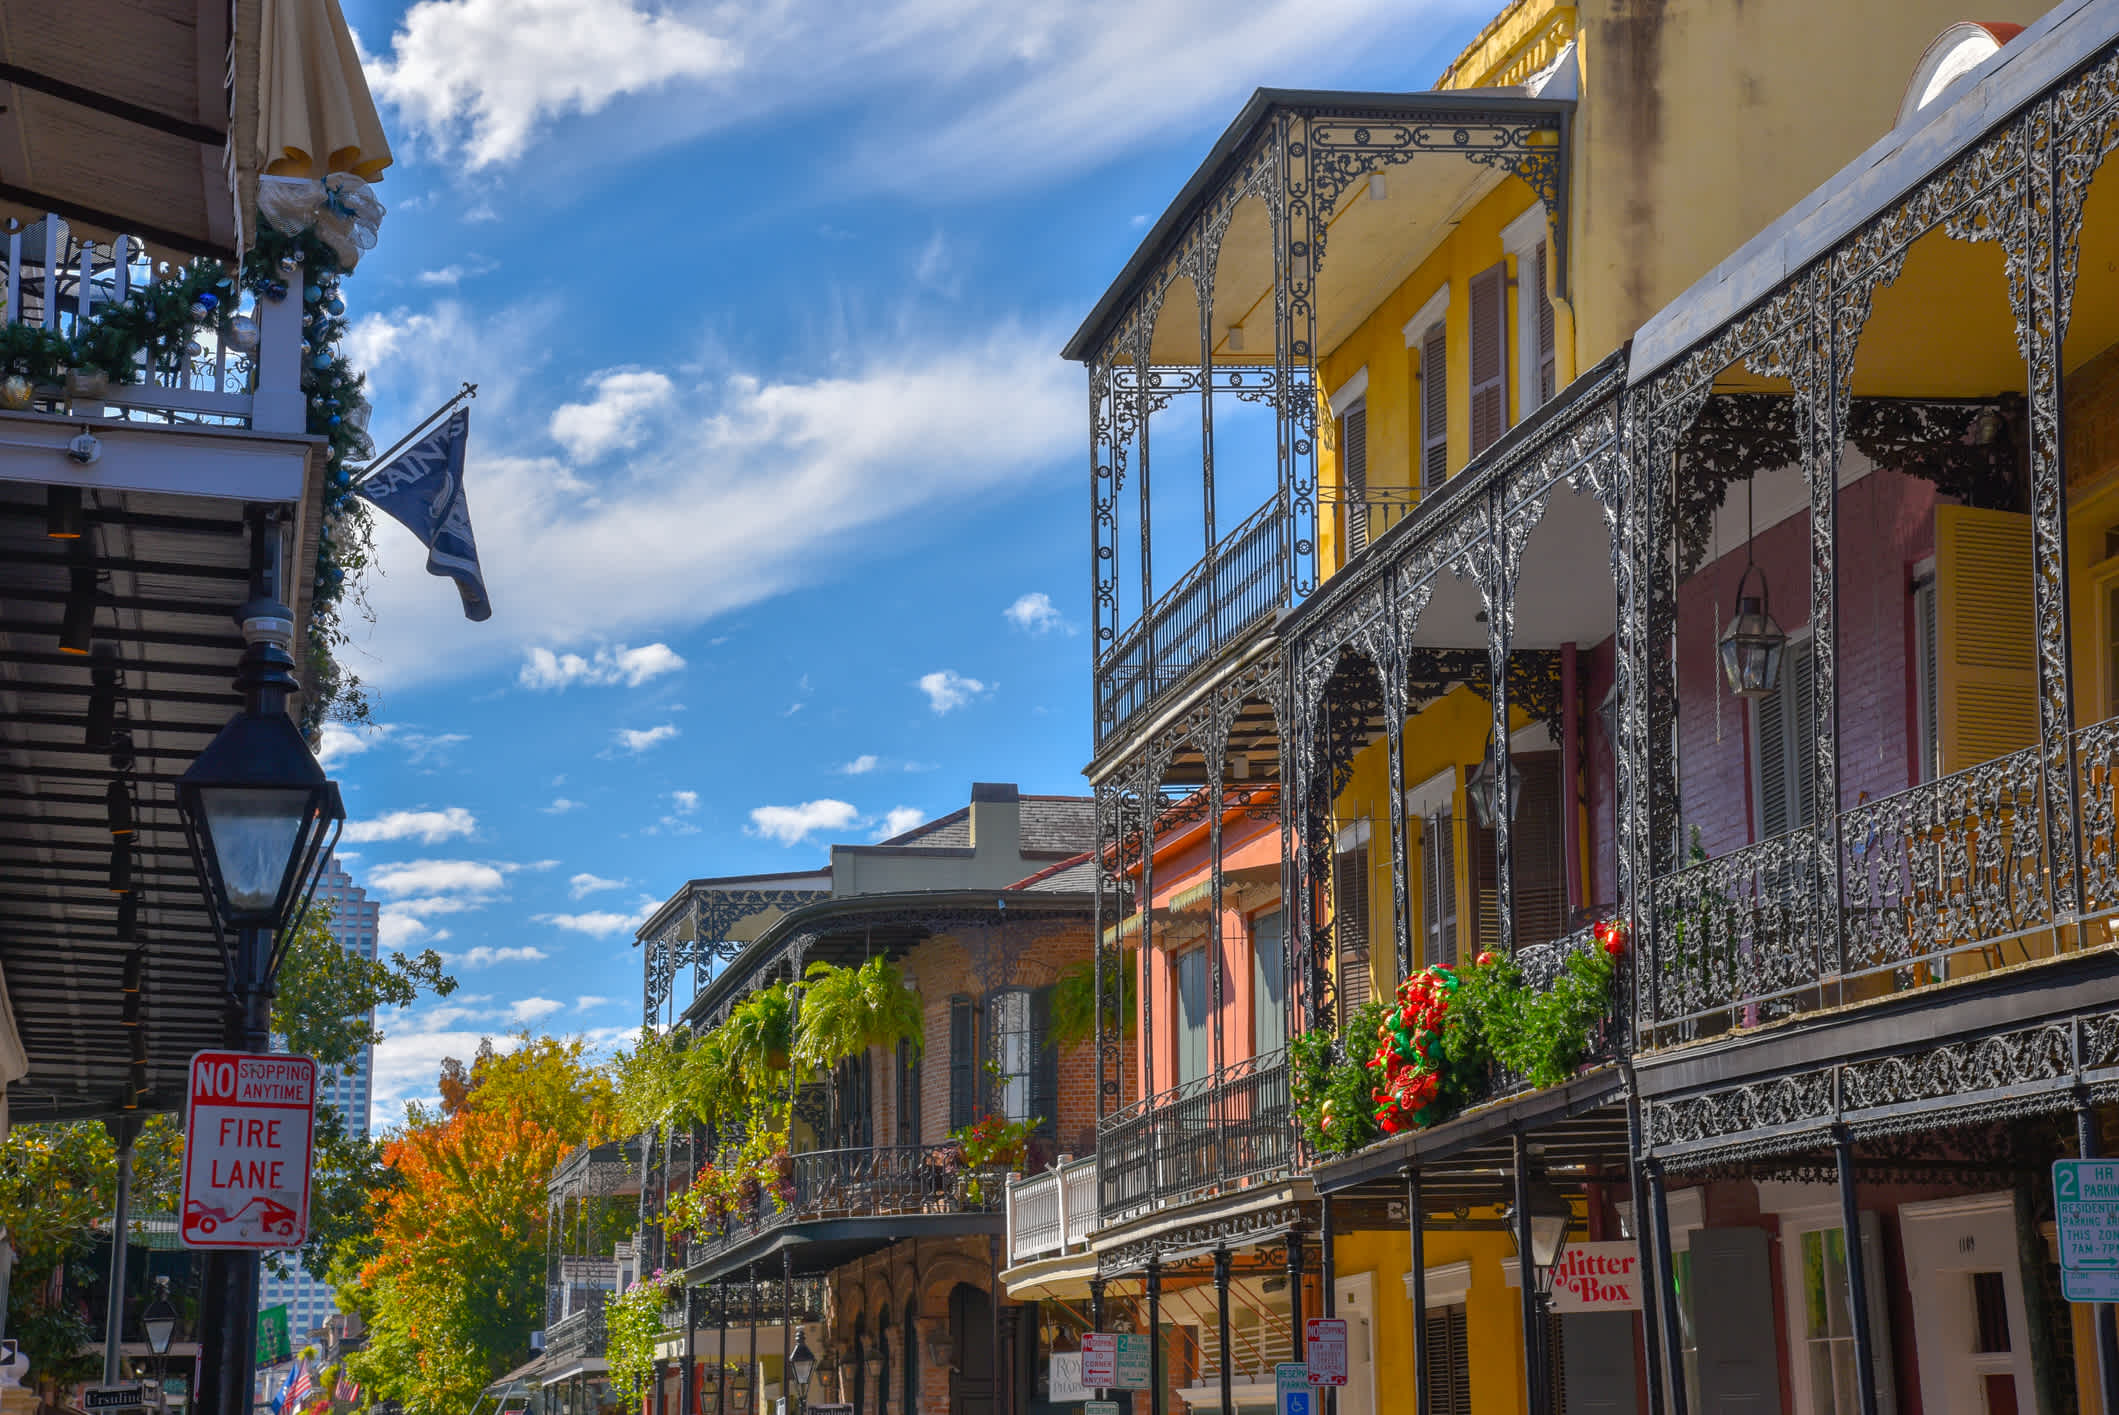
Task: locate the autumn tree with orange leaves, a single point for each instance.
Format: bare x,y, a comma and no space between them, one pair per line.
454,1283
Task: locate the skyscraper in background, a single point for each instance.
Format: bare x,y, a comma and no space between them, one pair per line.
353,918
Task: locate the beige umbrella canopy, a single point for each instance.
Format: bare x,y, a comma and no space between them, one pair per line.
316,115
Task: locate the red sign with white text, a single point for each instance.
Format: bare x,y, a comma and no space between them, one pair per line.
248,1130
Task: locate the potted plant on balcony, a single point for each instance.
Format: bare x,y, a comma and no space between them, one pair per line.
759,1040
845,1011
1074,1000
990,1144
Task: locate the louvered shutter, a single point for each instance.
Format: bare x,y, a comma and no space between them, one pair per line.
1787,746
1044,1065
1732,1306
1986,646
1485,880
1930,753
1595,1357
1489,357
1449,1382
1537,849
1438,888
963,1061
908,1095
1548,370
1350,924
1354,474
1434,407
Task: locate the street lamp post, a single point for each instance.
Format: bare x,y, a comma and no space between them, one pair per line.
801,1366
259,812
158,1322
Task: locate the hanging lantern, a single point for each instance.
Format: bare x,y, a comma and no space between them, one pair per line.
1752,645
1480,789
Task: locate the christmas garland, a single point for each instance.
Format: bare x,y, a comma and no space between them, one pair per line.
154,328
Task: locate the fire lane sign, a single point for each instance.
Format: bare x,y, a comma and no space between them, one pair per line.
248,1131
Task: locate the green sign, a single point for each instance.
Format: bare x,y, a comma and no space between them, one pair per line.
274,1344
2086,1214
1134,1361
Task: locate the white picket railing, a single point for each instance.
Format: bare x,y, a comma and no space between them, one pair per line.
1053,1212
56,279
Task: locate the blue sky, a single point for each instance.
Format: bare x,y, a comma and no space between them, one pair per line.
776,471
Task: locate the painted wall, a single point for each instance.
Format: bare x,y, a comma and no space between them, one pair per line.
1493,1314
1701,121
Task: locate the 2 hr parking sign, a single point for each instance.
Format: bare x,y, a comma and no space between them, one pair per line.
247,1135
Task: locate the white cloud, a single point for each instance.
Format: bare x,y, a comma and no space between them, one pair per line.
448,277
588,1002
560,806
485,957
684,803
338,743
427,827
616,418
947,690
1036,614
533,1009
484,75
695,523
599,924
543,670
790,825
397,928
443,877
861,765
583,885
899,820
637,740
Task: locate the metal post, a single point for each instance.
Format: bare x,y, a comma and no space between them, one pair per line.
1096,1322
2101,1314
688,1388
124,1130
750,1295
1527,1277
1655,1276
1416,1224
235,1339
1666,1289
1857,1276
993,1288
1295,1330
721,1360
1221,1299
1155,1334
1328,1283
787,1326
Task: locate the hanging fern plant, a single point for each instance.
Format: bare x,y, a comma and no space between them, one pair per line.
651,1088
845,1011
1074,1000
759,1038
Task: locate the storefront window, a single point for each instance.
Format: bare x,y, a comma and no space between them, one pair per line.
1827,1360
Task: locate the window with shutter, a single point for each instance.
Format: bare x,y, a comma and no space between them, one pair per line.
1985,643
1928,747
1449,1380
908,1094
1350,924
1191,1015
1548,374
1269,986
1011,1044
1354,474
1438,888
1489,356
1434,407
1786,746
1044,1065
963,1062
1538,856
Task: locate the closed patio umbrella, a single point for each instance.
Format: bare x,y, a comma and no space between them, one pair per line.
316,114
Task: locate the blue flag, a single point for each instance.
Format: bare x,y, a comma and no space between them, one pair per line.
423,488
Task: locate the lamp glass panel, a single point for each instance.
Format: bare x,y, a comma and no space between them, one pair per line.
159,1329
254,833
1548,1235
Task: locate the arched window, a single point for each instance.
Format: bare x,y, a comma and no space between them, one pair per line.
882,1361
860,1363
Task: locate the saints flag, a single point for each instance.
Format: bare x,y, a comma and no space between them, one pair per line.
424,489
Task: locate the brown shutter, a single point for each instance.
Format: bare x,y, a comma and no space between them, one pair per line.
1354,473
1438,888
1489,356
1434,407
1350,925
1986,644
1535,847
1547,365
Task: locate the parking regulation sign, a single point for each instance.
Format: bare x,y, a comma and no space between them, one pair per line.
248,1129
2086,1215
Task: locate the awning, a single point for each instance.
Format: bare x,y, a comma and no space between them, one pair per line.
315,113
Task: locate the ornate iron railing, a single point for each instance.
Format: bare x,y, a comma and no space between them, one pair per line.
762,1300
1359,521
581,1334
862,1183
56,280
1733,940
1217,599
1218,1130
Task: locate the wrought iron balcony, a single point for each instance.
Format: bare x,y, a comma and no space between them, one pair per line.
582,1334
58,280
1053,1212
862,1183
1941,881
762,1302
1359,519
1204,1135
1246,578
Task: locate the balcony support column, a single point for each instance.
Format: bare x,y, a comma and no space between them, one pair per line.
688,1388
787,1323
1217,941
1328,1284
1296,1333
1666,1287
1096,1321
2102,1314
1857,1274
1221,1316
1534,1373
993,1287
1498,592
750,1294
1655,1276
1155,1334
1150,797
721,1356
1416,1227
